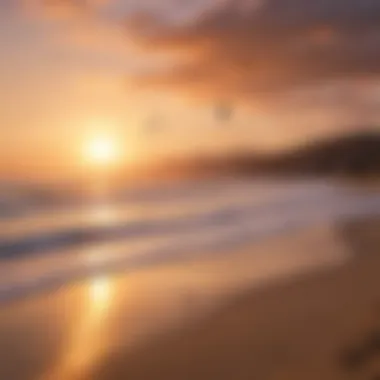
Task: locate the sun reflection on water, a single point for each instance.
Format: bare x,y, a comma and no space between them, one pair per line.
100,293
85,342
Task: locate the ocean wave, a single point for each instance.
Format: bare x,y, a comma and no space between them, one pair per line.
46,258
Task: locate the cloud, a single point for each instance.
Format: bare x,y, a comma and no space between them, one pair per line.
52,9
274,47
235,49
65,10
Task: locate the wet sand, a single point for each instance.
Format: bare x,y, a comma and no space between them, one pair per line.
325,326
303,306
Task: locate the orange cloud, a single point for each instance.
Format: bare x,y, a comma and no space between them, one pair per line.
236,51
323,35
279,46
52,9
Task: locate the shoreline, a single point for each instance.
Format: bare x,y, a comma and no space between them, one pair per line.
241,316
216,252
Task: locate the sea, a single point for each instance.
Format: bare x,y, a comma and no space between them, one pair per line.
47,240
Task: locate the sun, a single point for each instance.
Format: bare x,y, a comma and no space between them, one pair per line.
101,150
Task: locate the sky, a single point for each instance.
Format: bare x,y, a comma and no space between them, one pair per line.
151,74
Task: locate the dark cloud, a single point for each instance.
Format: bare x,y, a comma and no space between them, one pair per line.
278,46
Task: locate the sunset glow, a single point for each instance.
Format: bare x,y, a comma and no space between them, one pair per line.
102,150
109,87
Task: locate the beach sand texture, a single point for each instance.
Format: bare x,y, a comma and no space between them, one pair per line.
303,306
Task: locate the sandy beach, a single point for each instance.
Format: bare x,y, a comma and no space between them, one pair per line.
303,306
